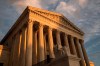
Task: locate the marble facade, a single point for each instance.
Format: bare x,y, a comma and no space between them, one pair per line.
40,35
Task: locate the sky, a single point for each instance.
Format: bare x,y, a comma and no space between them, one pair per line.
83,13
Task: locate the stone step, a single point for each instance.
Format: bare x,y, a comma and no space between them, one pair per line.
62,61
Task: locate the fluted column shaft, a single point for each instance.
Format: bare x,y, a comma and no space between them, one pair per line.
41,44
13,50
66,44
34,48
73,45
23,48
80,53
58,40
29,43
84,54
50,41
45,48
17,50
11,53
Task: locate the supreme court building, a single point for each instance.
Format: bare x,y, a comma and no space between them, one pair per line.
43,38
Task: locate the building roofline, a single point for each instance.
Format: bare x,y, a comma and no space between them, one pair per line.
25,12
73,24
43,10
57,14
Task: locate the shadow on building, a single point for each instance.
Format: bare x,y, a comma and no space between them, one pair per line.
4,55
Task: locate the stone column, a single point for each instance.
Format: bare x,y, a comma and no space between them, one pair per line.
38,53
17,50
84,53
80,53
73,45
41,44
13,50
29,43
23,48
66,44
45,48
58,40
34,48
50,42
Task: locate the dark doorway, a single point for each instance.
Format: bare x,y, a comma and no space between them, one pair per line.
48,59
1,64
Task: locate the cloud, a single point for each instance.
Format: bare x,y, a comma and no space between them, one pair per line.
20,5
65,8
83,3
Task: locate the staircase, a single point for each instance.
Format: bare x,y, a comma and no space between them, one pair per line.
62,61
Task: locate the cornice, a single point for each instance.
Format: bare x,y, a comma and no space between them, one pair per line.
74,26
43,10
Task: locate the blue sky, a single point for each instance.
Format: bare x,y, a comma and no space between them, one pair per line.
83,13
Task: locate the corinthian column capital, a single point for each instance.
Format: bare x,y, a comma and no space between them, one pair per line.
82,42
30,21
40,25
50,29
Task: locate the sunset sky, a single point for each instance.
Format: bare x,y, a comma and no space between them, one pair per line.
83,13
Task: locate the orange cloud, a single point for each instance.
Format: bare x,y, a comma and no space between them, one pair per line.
21,5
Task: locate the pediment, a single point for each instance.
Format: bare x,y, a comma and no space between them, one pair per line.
59,18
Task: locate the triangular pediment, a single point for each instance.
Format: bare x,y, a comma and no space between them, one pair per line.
56,17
